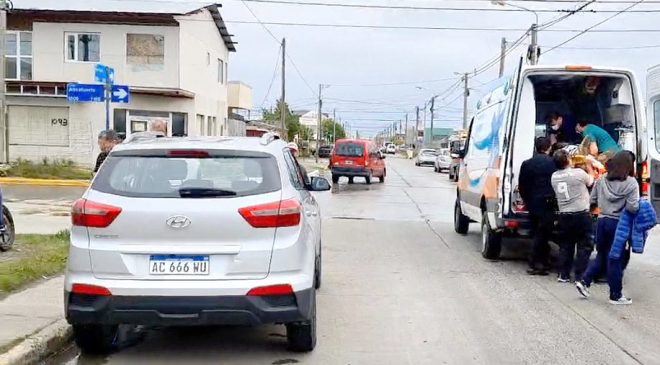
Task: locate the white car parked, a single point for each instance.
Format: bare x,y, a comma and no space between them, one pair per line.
426,157
204,231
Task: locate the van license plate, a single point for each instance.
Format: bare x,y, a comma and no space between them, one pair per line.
179,265
348,162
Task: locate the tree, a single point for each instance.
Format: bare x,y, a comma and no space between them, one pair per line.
293,126
329,126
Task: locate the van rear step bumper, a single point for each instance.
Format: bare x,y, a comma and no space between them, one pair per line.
188,311
350,171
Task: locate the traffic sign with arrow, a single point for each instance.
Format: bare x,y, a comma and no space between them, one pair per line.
120,94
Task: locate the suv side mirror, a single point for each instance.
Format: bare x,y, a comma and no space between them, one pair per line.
319,184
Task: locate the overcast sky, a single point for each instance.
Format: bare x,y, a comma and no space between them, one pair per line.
355,57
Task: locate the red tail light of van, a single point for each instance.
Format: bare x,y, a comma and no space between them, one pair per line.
646,175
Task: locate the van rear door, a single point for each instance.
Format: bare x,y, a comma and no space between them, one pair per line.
653,132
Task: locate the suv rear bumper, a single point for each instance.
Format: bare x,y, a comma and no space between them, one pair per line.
188,311
350,171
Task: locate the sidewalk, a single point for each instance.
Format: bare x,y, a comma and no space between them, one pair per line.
25,314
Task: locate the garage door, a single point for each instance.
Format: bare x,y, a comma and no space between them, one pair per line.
39,126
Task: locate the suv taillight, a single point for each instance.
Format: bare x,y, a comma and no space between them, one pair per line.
86,213
285,213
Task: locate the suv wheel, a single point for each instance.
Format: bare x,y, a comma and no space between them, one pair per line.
301,336
335,179
350,180
461,222
491,241
94,338
382,177
368,178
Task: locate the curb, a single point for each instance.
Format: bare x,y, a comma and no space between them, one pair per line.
43,182
39,345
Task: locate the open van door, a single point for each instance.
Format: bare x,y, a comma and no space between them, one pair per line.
653,134
507,170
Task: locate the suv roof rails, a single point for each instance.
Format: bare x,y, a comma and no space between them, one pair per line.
143,136
269,137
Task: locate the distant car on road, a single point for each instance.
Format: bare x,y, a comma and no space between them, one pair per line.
357,158
325,151
442,160
426,157
195,232
391,149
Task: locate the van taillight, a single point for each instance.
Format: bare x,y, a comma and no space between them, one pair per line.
86,213
285,213
646,175
519,207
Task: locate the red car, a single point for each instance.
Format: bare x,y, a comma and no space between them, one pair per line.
359,158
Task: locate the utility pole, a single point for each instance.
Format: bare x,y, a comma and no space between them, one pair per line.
318,131
432,115
334,126
405,132
3,98
534,57
502,56
466,94
416,134
283,105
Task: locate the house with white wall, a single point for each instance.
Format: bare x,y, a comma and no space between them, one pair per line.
173,56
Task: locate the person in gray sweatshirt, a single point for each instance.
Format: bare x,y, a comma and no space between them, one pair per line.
615,191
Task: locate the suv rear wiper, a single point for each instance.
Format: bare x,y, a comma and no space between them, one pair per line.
204,192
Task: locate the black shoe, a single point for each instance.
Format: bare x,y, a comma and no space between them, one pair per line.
537,272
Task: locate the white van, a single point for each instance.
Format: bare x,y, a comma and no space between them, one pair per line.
653,131
506,124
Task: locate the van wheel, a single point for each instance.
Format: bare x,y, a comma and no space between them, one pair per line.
335,179
95,338
461,222
301,336
491,241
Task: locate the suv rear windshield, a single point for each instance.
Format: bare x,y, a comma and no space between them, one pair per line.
153,174
350,150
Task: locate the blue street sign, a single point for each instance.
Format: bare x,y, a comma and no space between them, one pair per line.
80,93
120,94
103,74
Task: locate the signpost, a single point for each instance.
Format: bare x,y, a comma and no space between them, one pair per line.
106,91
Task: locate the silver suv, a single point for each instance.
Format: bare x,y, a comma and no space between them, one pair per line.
184,232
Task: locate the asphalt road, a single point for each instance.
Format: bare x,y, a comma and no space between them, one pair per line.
400,287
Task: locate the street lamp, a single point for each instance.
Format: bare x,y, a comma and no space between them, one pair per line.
533,47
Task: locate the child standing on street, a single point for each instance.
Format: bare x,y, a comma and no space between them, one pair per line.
615,191
571,186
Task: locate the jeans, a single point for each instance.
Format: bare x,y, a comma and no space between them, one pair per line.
605,230
542,224
576,230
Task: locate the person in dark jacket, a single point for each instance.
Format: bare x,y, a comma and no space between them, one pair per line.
613,193
536,191
107,140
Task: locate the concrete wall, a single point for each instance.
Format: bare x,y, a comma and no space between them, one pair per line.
48,44
201,47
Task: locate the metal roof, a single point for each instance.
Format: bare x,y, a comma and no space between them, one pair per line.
160,7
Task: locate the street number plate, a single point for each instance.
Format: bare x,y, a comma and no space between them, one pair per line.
179,265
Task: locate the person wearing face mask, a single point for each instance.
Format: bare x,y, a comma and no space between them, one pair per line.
561,130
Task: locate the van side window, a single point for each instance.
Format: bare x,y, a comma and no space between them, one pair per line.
294,172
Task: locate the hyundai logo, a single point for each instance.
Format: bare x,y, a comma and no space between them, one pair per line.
178,221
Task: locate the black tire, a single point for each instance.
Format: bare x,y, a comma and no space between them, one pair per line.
7,237
491,241
335,179
368,178
95,339
382,178
301,336
350,180
461,222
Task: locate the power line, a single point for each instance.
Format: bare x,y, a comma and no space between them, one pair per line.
427,8
594,26
610,48
393,83
272,81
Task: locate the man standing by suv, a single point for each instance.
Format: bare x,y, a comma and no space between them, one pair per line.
539,197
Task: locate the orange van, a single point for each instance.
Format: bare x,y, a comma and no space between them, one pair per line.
360,158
